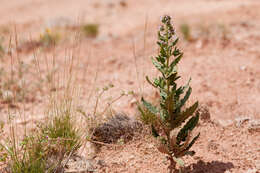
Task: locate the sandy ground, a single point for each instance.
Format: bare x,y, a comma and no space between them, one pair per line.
223,62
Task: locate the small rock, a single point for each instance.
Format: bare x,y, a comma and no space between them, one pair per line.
225,123
243,68
199,44
80,164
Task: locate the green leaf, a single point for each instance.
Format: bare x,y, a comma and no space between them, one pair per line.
192,142
163,52
161,59
189,126
186,97
164,115
141,110
146,116
148,80
181,90
176,61
175,42
149,106
154,132
163,94
184,115
171,75
159,83
158,65
176,52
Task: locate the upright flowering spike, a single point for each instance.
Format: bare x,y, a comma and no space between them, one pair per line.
171,122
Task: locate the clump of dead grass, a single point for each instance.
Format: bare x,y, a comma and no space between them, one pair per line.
118,127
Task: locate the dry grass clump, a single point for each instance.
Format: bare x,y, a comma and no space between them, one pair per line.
118,127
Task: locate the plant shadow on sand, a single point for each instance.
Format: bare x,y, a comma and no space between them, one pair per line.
209,167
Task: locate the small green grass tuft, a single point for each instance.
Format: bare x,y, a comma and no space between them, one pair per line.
61,130
186,32
44,149
90,30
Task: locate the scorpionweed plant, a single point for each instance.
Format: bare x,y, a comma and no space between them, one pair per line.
172,121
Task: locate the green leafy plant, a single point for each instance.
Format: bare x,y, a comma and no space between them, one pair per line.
171,122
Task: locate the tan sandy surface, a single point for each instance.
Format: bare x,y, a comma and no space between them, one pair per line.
223,62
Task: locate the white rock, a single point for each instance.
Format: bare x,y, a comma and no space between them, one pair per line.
225,123
251,171
243,68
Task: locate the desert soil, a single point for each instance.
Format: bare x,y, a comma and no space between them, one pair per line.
223,60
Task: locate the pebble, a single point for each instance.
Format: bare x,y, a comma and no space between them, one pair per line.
243,68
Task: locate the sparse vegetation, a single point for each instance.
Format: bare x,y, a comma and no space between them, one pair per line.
58,115
172,122
2,50
186,32
44,149
49,38
12,84
90,30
